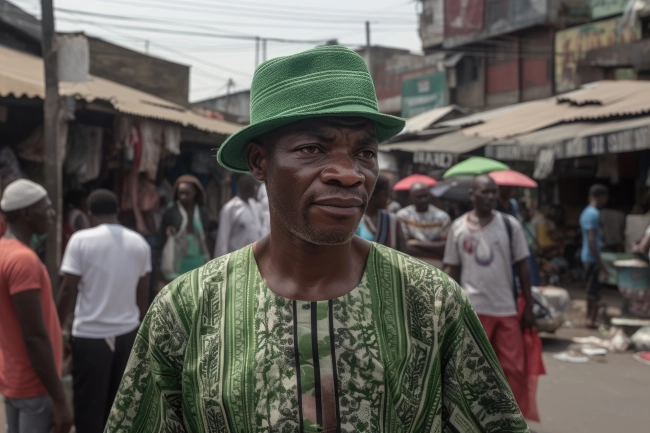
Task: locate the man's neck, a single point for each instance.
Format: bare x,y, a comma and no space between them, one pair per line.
480,217
109,219
594,204
19,232
422,209
300,270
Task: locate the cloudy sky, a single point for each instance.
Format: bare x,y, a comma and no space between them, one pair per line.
216,37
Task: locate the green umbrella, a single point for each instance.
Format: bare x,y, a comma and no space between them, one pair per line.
473,166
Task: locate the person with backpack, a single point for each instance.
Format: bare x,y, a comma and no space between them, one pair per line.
483,247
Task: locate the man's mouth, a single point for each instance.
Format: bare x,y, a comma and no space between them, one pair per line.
341,202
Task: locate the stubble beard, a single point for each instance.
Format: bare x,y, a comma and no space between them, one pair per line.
302,228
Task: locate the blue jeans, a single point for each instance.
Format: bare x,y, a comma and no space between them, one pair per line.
29,415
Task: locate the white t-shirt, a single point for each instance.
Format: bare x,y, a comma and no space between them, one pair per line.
486,261
240,224
110,259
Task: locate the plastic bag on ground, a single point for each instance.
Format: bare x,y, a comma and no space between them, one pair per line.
641,339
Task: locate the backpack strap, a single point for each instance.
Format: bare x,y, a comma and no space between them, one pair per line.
508,224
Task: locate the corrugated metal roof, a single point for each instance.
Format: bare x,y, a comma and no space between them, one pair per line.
424,120
21,75
453,143
604,100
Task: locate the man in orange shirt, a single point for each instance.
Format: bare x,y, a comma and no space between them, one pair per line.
30,334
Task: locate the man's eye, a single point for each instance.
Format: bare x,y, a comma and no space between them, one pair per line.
368,154
310,149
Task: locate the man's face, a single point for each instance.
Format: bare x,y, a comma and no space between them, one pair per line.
484,196
40,215
602,201
421,199
319,175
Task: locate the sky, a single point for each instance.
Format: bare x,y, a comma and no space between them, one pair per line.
214,36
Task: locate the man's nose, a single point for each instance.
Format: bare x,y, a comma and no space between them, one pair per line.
343,169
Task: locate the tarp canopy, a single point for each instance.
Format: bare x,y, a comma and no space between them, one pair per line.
21,75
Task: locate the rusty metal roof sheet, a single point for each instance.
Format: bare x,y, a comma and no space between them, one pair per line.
603,101
21,75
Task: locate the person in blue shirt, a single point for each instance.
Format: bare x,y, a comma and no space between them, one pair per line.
591,248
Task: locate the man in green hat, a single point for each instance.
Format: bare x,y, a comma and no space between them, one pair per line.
312,329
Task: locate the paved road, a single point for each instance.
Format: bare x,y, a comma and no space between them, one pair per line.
607,396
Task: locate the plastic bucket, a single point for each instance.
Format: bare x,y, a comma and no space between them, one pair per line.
633,275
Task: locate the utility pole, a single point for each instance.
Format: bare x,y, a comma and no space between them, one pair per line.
53,154
368,55
257,51
146,46
263,50
228,88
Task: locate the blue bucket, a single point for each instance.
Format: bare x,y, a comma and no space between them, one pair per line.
633,274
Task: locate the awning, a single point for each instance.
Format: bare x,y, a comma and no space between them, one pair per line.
21,75
576,140
451,143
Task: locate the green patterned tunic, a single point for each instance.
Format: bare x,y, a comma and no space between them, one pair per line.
403,352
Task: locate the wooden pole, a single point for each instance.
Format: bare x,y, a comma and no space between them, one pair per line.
53,154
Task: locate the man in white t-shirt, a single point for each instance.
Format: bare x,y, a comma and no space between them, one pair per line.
482,247
240,222
106,273
424,225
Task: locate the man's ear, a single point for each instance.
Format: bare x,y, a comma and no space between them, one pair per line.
257,158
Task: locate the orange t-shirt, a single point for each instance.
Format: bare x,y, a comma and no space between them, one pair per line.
21,270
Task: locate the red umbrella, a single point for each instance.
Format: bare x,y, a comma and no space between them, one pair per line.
406,183
512,178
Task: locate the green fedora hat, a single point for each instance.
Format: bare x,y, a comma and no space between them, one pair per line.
324,81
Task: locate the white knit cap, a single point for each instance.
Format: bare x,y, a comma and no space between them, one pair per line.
20,194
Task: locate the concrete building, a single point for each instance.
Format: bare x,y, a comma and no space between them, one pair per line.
234,107
498,52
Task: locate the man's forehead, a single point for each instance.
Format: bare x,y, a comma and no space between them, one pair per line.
328,125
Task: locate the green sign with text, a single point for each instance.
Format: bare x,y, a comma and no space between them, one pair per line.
423,93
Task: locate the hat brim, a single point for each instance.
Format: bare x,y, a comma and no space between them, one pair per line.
232,153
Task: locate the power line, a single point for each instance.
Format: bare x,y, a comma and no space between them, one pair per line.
257,12
201,34
194,23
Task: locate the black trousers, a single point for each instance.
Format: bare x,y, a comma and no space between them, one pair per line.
97,369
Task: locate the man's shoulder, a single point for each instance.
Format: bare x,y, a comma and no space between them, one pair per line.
589,213
406,211
16,253
415,273
193,284
437,212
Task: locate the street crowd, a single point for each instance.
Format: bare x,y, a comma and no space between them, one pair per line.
108,297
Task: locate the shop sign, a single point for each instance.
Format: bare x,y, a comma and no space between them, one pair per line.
511,152
628,140
434,159
423,94
606,8
572,45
